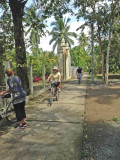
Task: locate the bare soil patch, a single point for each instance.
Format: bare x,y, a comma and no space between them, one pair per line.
102,123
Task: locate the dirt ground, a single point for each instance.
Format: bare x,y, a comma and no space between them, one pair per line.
102,123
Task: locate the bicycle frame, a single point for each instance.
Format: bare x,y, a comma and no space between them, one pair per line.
53,90
53,93
79,78
5,106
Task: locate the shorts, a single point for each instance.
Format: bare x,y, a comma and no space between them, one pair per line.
55,84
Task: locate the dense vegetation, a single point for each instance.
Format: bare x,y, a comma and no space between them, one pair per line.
22,29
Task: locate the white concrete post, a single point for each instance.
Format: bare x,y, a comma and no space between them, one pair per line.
30,78
7,65
43,75
63,45
64,60
68,63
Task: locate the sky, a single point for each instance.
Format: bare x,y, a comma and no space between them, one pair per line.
44,41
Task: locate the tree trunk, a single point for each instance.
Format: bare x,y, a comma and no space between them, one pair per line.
102,55
17,8
37,47
109,45
92,54
107,58
43,75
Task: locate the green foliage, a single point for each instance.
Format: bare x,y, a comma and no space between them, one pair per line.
12,59
83,40
57,8
115,119
79,57
34,21
114,58
6,32
115,49
60,31
47,58
2,57
102,16
6,38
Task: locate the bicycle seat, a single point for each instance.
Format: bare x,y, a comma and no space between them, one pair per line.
6,96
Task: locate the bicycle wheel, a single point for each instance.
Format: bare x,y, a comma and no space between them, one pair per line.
57,95
10,113
51,97
79,81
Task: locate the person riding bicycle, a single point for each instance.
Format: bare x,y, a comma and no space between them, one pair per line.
79,73
19,97
56,77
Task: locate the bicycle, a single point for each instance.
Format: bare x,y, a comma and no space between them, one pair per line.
7,109
79,78
54,93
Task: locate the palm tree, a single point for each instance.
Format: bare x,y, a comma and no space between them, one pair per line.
60,31
35,23
83,40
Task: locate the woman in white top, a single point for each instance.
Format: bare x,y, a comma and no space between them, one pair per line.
56,77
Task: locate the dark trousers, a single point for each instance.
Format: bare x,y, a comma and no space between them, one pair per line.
20,111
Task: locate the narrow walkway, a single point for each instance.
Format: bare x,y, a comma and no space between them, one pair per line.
53,132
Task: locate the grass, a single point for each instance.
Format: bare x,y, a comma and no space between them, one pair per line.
115,119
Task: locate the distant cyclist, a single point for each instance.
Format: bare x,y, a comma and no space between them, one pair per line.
56,77
79,73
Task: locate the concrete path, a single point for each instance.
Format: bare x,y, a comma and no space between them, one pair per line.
53,132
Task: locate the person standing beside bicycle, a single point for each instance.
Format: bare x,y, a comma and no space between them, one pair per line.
79,73
56,77
19,97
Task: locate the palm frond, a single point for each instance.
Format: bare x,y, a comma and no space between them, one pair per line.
73,34
55,45
52,40
61,30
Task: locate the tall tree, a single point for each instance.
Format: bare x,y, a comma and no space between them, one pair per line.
113,14
17,9
61,30
97,12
